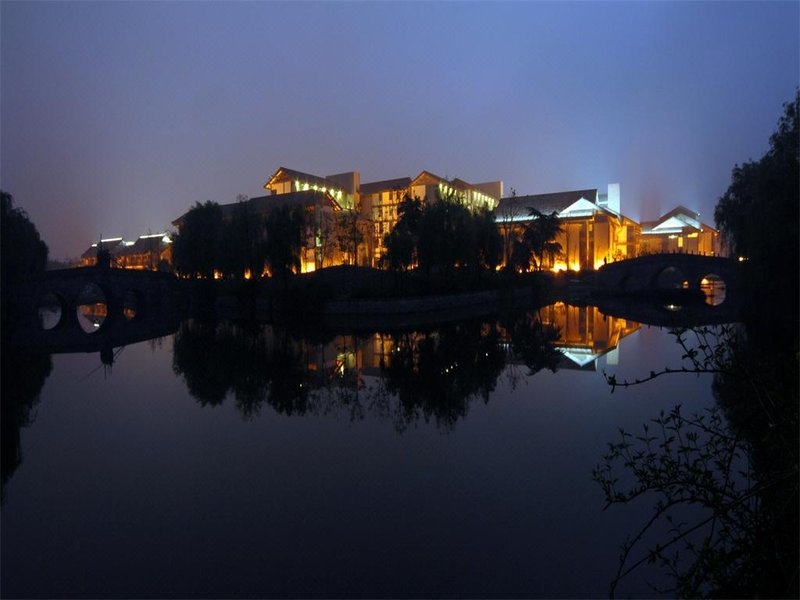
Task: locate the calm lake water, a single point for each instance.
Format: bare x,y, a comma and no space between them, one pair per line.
217,462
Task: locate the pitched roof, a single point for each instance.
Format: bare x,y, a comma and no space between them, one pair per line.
114,245
374,187
544,203
678,219
282,174
146,243
427,178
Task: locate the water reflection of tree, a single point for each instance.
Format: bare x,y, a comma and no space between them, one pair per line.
22,376
532,342
435,374
252,362
431,375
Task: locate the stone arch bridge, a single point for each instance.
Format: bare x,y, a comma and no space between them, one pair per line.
139,305
654,272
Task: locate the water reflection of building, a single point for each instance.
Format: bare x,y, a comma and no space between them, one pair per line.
586,334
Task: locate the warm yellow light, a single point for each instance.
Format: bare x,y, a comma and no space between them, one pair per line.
248,274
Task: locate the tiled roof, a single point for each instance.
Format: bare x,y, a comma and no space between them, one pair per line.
115,246
382,186
145,243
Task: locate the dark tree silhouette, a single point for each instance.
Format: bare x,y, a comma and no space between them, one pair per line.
22,252
285,230
196,248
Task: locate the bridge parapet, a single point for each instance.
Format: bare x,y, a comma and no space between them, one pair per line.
663,271
151,294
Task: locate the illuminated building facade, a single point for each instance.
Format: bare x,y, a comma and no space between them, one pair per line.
380,201
594,231
680,230
375,205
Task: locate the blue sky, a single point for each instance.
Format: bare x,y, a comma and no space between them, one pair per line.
115,117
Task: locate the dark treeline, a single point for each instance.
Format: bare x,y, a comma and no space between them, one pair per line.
22,374
444,241
246,242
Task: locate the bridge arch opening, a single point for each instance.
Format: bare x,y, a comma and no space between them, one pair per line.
91,308
714,288
132,305
670,278
50,310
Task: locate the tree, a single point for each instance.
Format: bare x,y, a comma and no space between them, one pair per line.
196,248
490,244
22,251
349,233
285,231
401,242
508,213
758,216
446,236
539,237
243,243
763,195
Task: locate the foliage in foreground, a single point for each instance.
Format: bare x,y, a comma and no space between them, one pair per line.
735,468
737,465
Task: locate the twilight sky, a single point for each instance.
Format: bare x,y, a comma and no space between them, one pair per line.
116,117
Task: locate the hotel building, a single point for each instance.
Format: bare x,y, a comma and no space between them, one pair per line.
594,231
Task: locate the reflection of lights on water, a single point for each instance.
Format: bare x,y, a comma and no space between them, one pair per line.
673,307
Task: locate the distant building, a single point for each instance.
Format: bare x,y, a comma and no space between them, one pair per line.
680,230
594,231
113,245
148,252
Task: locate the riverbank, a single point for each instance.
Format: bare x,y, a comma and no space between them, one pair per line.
356,297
